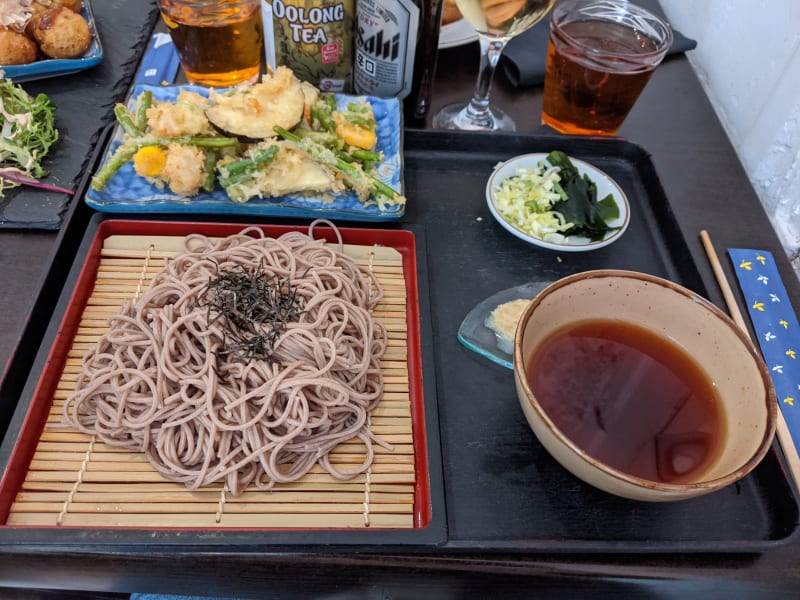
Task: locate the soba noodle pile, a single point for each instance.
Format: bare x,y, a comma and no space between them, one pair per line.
160,381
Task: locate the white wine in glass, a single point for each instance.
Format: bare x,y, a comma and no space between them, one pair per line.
496,21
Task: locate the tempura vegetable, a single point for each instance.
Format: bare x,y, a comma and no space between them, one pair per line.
271,139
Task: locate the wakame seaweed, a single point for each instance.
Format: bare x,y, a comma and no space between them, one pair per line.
579,203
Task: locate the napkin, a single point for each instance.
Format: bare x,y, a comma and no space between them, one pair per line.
776,327
524,57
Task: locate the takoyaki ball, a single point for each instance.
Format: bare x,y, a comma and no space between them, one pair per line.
73,5
61,33
38,9
39,5
16,48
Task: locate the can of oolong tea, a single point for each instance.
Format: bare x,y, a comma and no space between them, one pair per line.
314,38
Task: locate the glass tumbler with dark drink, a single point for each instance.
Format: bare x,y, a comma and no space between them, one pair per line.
600,56
219,42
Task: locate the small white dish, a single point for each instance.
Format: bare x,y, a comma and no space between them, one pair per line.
457,33
572,243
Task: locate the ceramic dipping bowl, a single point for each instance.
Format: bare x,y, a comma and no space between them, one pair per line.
681,317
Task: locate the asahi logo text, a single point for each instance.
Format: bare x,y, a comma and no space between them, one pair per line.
306,24
377,47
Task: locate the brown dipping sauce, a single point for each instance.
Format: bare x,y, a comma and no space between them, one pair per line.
48,19
631,399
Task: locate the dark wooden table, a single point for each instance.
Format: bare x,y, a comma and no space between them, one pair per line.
708,189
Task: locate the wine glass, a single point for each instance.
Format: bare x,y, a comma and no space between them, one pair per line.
496,21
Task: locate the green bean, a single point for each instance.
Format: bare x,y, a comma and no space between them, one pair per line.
326,138
242,170
361,121
209,165
126,121
120,157
345,156
382,189
323,116
330,100
201,141
145,101
358,107
366,155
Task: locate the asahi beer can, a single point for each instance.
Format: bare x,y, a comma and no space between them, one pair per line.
314,38
386,39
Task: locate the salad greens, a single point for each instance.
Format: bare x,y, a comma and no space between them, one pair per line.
27,131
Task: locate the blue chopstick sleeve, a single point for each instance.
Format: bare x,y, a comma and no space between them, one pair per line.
160,62
776,326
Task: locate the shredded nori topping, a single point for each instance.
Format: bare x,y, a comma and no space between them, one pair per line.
253,307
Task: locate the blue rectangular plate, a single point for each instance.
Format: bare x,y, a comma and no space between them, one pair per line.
126,192
55,67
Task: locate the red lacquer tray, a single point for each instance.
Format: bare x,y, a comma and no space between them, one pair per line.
56,481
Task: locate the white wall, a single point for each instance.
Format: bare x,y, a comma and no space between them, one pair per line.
748,60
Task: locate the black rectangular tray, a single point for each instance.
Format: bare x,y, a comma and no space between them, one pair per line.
503,490
503,493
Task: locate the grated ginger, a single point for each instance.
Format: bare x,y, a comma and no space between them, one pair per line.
503,320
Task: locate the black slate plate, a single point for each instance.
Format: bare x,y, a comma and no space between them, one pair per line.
84,106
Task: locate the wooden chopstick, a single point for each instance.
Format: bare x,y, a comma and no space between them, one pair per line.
782,430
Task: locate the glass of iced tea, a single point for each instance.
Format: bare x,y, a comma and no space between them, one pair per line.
219,42
600,56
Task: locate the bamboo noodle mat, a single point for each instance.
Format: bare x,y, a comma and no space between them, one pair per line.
74,480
